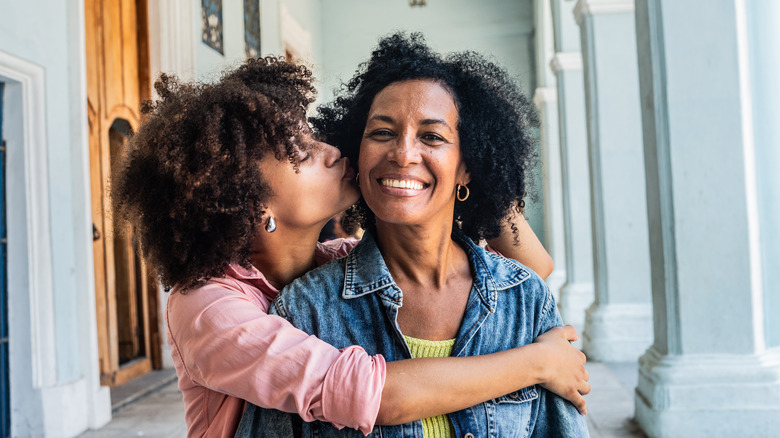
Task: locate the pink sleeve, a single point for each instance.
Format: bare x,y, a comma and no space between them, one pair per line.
489,248
229,344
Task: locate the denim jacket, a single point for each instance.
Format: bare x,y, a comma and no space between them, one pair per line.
354,300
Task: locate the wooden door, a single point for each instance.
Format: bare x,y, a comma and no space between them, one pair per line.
117,81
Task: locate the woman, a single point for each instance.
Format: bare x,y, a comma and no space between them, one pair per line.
443,147
226,192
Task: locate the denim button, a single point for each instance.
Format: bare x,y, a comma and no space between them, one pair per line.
468,435
514,395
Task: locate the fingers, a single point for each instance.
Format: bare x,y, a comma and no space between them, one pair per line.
579,402
584,388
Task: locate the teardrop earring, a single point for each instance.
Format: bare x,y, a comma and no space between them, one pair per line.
270,226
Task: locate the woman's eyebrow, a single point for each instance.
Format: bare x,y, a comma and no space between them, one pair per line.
388,119
436,122
382,118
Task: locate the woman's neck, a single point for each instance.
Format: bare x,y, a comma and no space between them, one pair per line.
422,254
283,256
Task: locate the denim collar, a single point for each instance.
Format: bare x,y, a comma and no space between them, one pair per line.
366,271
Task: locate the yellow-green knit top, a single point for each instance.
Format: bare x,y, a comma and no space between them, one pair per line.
433,427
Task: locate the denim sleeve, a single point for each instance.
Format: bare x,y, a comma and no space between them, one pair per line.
556,416
549,316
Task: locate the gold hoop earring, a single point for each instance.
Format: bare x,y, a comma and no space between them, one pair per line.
458,195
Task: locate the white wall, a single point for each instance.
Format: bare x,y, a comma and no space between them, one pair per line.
53,364
209,63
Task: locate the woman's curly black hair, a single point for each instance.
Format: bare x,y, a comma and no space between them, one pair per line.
495,123
190,185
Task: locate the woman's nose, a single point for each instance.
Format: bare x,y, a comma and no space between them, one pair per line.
405,151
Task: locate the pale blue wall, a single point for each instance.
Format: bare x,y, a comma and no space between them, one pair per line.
39,32
500,29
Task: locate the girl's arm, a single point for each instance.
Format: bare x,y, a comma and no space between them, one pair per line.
427,387
526,249
228,344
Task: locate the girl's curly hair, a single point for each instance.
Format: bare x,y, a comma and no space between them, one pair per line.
190,185
495,123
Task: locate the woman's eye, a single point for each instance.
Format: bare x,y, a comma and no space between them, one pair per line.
432,138
306,157
381,134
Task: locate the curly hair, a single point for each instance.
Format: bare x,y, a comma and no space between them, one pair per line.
495,124
190,185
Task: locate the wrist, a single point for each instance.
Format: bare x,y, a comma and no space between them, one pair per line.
540,363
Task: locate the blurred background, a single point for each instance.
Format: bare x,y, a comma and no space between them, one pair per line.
657,189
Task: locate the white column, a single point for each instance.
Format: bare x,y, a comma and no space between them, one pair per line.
764,59
546,99
577,294
709,371
618,326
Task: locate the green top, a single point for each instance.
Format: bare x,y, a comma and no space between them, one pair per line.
433,427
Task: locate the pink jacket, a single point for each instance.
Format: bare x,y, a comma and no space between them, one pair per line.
227,349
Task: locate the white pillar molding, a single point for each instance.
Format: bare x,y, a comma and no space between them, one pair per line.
709,371
25,132
577,293
546,99
545,96
593,7
619,209
564,61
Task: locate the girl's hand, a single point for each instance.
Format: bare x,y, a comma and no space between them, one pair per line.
563,365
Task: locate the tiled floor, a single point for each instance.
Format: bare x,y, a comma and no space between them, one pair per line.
611,400
610,408
158,415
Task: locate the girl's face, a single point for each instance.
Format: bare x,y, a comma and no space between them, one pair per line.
410,158
322,186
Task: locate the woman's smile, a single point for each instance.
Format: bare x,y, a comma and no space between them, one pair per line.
401,185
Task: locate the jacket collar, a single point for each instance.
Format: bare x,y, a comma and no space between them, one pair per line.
366,272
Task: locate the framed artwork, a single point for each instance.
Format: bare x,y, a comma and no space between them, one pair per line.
252,28
211,13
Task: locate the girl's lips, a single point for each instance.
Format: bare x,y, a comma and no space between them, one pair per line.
349,173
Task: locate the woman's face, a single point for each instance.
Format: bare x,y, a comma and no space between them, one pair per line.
322,187
410,158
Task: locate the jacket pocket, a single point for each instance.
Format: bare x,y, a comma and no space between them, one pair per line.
510,415
521,396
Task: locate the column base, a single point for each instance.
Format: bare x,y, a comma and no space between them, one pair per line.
617,332
575,299
713,395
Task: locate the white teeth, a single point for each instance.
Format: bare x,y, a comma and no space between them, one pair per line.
402,184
